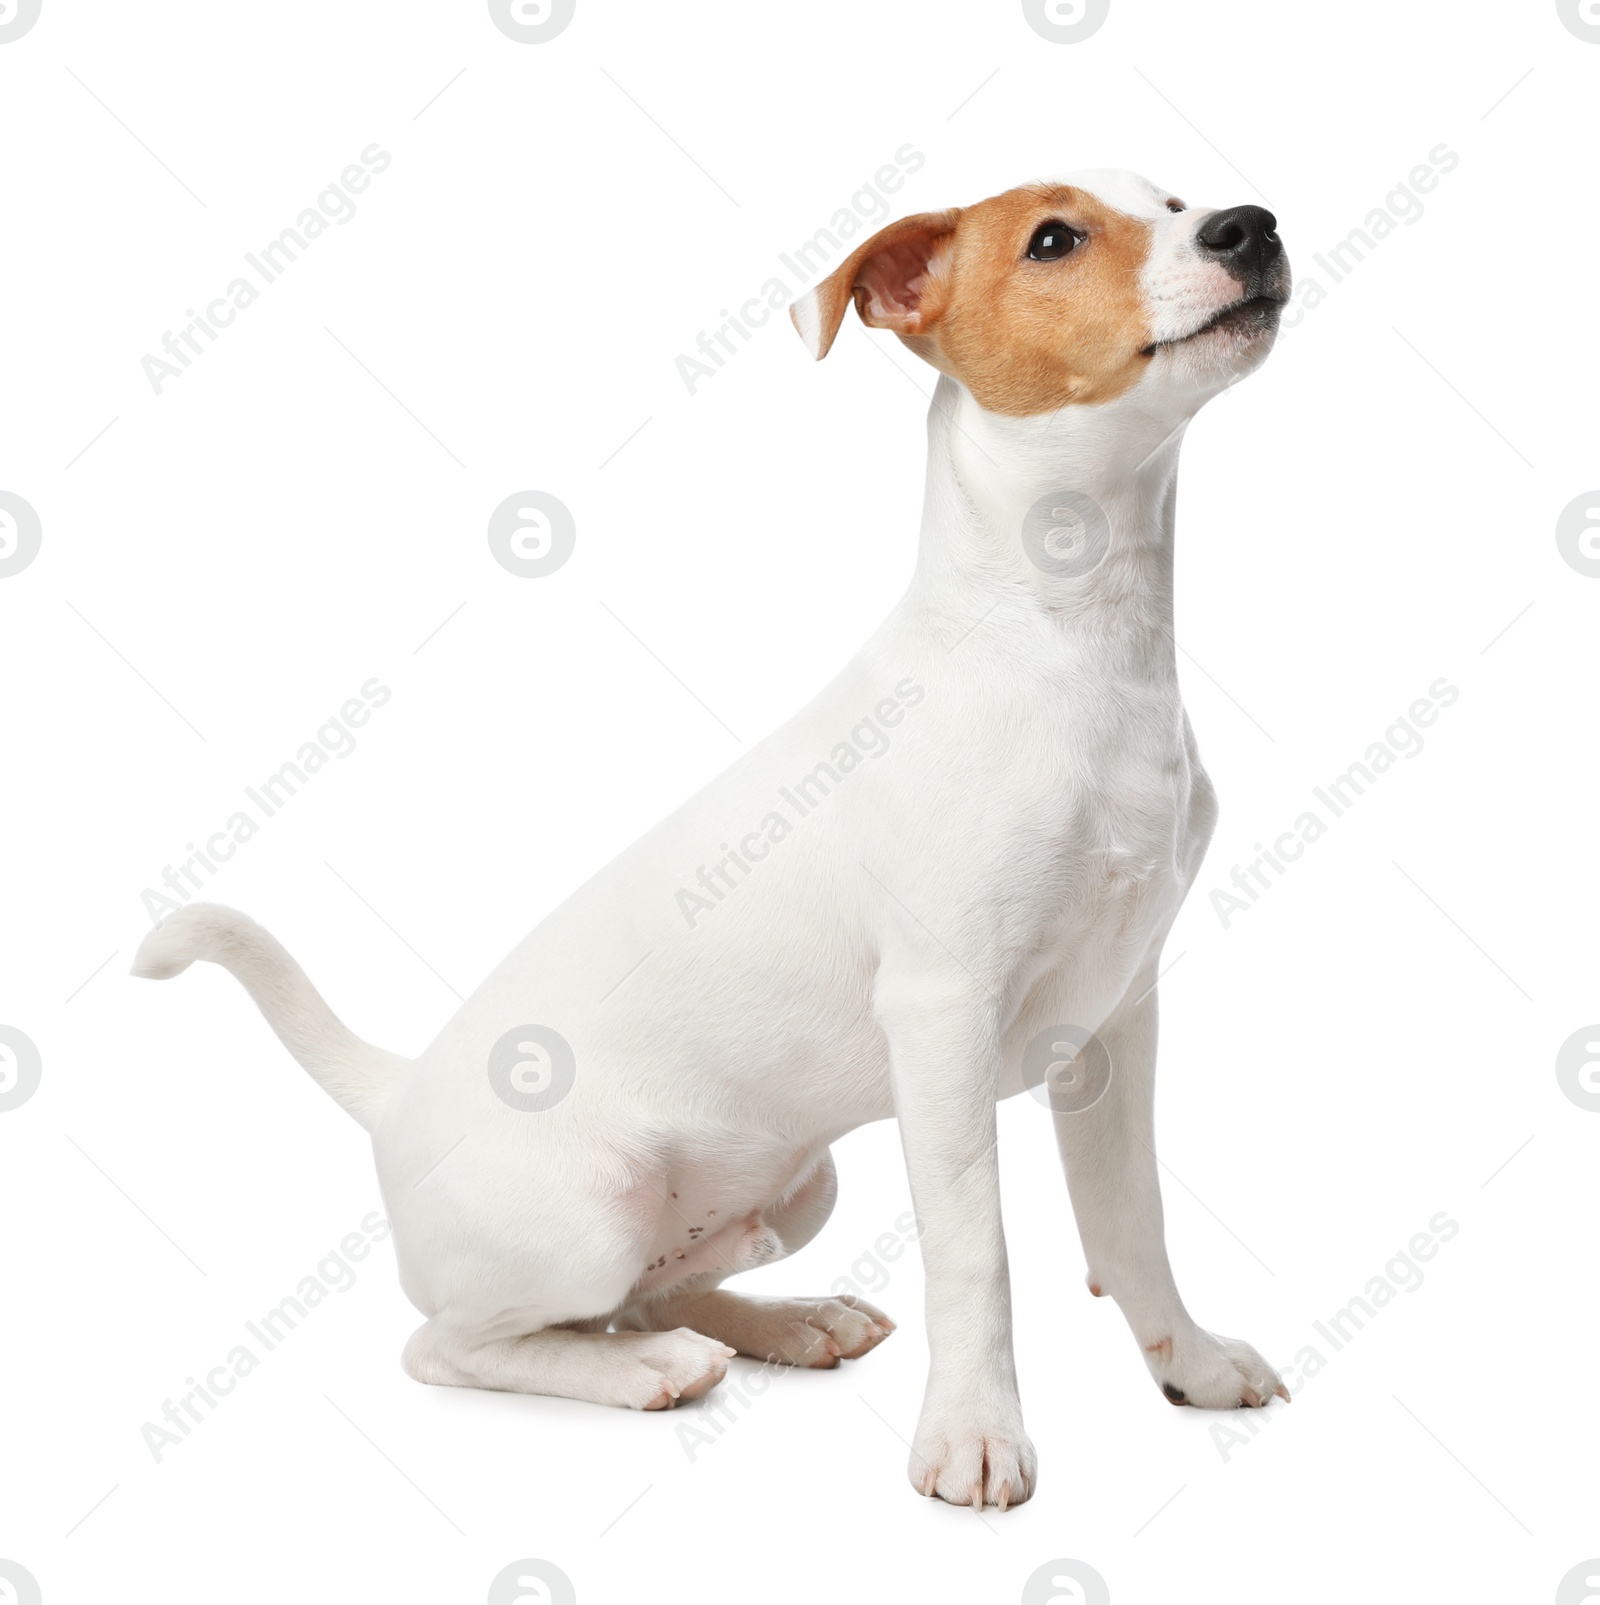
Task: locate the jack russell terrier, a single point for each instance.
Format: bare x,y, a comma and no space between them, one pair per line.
638,1102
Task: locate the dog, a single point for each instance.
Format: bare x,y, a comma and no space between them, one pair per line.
945,882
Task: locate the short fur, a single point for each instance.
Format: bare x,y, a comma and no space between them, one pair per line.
1010,865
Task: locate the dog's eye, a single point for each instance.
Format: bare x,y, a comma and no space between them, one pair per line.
1051,242
1176,206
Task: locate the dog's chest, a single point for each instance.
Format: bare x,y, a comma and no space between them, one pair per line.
1111,886
1118,856
1120,842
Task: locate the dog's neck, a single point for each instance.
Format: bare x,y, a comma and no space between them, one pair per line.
992,532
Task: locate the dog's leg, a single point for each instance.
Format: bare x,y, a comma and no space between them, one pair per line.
640,1370
1108,1151
814,1332
944,1056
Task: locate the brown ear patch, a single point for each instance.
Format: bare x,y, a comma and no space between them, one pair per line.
895,279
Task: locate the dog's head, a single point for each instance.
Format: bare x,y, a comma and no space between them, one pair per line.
1069,292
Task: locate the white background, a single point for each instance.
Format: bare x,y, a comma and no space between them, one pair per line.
1372,1043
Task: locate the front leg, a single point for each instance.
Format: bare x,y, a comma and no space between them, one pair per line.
1109,1154
944,1056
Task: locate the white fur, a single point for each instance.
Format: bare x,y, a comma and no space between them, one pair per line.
1013,861
808,320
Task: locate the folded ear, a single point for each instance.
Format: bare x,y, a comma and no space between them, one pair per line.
898,279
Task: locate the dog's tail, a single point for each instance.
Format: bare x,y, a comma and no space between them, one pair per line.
352,1072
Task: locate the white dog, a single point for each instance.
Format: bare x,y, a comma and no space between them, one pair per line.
946,881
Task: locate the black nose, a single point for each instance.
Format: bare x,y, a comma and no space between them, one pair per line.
1243,239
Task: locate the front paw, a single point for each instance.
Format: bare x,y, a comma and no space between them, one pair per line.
973,1459
1216,1373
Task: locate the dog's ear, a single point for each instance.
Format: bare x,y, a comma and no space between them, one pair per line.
898,279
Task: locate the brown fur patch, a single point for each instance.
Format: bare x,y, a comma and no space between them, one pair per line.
894,256
1028,337
1025,337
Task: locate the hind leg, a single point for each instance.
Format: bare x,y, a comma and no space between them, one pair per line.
639,1370
814,1332
521,1302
